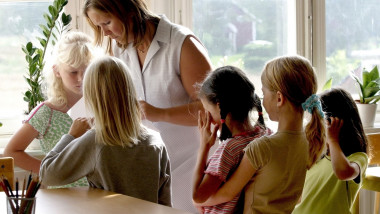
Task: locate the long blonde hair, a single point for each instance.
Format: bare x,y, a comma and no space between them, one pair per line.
73,49
295,78
110,95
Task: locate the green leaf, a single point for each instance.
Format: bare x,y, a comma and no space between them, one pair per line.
53,11
42,42
54,36
327,85
28,94
370,91
44,28
35,84
36,58
56,4
373,99
366,78
66,19
374,73
27,80
29,46
28,59
24,49
376,100
48,19
64,3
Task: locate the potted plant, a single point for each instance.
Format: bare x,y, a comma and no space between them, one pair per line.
369,93
56,23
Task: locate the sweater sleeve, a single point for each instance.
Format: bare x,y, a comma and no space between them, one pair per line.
164,196
70,160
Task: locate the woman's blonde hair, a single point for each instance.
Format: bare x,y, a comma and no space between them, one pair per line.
294,77
110,95
73,49
133,14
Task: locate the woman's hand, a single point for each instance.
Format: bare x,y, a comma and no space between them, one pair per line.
150,112
334,125
208,134
79,127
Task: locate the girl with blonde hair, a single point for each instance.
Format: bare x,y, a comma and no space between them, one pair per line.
118,154
273,168
49,120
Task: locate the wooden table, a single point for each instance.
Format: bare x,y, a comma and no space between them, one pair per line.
90,200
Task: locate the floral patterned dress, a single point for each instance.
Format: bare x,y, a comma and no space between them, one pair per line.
51,125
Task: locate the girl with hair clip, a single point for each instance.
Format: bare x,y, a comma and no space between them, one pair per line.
118,154
272,171
333,183
49,120
166,60
227,108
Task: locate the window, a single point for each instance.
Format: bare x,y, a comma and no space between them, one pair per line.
245,33
19,24
352,39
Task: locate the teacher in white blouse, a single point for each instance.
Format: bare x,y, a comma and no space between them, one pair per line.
166,61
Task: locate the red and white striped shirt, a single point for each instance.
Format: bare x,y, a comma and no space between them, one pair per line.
226,159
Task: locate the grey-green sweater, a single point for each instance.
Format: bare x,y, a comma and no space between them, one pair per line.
141,171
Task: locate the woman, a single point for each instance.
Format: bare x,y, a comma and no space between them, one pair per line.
165,61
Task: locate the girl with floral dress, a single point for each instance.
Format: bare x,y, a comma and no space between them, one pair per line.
49,120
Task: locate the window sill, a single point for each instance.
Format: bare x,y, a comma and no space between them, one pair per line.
374,129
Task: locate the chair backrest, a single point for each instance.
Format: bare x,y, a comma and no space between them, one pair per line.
7,169
374,147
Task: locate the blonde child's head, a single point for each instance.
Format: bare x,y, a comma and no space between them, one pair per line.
110,95
295,78
74,49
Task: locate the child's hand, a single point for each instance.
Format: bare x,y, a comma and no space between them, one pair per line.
208,136
79,127
334,125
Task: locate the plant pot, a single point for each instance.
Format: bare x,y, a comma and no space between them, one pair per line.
367,114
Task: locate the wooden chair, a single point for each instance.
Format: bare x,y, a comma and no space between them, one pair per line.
372,179
7,169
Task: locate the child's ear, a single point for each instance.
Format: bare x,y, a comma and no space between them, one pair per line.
56,71
280,99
